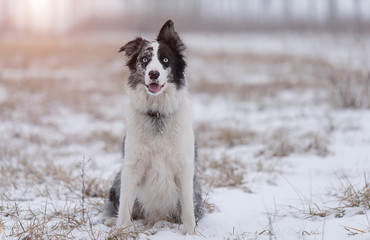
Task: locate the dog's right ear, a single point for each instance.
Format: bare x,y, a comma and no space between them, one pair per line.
168,35
132,50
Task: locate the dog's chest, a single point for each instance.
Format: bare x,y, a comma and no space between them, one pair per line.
162,145
158,190
157,124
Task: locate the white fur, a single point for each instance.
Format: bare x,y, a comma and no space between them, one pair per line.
158,167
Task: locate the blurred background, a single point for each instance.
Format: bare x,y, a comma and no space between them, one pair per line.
56,16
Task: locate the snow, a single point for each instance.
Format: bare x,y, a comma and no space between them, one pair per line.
279,197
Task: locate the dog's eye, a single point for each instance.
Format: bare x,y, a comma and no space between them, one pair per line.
165,60
144,59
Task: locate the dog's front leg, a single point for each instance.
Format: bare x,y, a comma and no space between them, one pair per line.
130,178
186,199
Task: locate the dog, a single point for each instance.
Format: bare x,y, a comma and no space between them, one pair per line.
158,180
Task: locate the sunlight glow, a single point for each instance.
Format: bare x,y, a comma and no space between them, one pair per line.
40,14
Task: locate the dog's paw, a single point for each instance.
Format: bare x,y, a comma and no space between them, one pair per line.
189,230
189,224
97,220
110,222
121,223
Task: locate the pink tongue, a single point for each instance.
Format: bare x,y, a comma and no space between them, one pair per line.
154,87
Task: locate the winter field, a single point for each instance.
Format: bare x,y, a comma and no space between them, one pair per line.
282,122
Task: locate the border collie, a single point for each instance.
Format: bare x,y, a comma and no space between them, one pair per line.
157,181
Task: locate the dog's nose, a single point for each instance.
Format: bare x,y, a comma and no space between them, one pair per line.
153,75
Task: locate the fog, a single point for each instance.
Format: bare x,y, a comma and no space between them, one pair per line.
61,16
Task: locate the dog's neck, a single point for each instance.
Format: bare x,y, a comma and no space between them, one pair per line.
154,114
159,106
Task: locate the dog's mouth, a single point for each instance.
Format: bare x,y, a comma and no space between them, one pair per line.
155,87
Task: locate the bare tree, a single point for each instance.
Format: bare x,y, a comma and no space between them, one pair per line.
287,9
333,10
357,7
4,14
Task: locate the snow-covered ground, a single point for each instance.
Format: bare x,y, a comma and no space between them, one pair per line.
280,157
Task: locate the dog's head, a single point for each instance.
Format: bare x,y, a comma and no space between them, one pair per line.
156,64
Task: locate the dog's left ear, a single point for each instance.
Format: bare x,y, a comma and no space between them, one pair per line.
132,50
168,35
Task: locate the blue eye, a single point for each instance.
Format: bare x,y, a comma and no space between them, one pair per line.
144,60
165,60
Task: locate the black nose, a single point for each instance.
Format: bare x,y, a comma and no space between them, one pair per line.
153,74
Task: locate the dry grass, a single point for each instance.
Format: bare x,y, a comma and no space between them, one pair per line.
349,196
356,196
53,222
282,143
96,188
50,76
46,177
315,211
68,71
286,72
222,171
60,216
112,140
244,91
42,199
17,169
213,136
350,87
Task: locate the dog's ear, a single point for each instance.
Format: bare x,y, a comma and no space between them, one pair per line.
168,35
132,50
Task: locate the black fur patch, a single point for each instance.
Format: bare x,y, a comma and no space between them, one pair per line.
132,50
175,61
168,35
171,44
